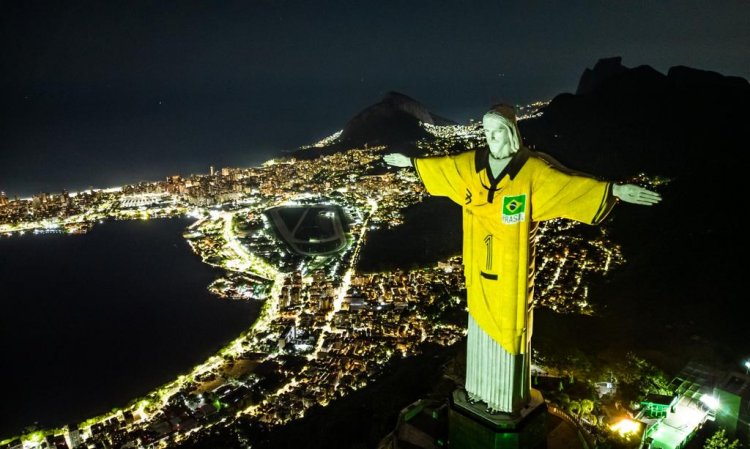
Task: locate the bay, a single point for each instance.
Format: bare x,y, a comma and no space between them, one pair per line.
88,322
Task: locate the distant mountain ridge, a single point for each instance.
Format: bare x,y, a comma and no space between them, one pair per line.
607,92
611,70
625,120
685,266
394,121
395,101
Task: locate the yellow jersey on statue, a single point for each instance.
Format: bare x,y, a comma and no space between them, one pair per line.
500,216
505,190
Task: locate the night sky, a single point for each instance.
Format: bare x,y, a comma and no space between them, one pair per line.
105,93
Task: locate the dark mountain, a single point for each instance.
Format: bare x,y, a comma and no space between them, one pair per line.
642,120
682,287
638,119
394,121
604,69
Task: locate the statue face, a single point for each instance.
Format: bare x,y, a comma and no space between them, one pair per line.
498,136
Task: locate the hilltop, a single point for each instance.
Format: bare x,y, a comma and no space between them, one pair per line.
396,121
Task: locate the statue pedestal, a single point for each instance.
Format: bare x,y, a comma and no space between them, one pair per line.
472,427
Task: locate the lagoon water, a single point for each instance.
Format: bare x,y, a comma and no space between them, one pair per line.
89,322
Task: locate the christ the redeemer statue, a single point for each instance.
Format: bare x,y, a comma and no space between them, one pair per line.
505,191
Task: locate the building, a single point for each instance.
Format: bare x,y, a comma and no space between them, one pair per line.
658,405
55,442
701,394
733,412
73,436
680,423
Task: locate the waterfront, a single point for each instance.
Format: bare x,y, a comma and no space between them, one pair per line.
96,320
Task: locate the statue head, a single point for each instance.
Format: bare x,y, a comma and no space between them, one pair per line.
501,131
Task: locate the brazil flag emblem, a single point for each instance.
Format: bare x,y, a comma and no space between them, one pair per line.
514,209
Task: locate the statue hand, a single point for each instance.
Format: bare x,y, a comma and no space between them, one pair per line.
397,160
631,193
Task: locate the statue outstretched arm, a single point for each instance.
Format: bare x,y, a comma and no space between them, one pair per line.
631,193
397,160
440,175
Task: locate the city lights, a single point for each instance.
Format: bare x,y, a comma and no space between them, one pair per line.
341,326
626,427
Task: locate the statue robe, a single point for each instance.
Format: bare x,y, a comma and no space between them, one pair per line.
499,223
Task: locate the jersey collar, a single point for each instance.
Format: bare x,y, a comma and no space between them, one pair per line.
482,162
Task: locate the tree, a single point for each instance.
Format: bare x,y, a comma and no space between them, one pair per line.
574,408
590,419
719,441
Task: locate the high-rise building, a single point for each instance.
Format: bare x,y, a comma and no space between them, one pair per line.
73,436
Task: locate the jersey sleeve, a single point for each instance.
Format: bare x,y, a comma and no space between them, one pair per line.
560,193
441,177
